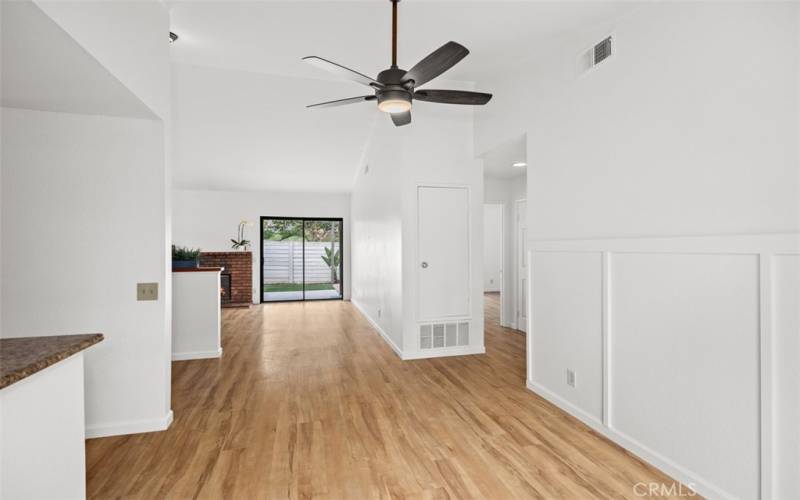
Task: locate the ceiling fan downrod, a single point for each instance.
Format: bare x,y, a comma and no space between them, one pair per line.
394,33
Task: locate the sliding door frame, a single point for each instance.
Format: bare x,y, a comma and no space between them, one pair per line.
340,220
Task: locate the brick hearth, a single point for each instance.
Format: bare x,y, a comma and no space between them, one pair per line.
240,267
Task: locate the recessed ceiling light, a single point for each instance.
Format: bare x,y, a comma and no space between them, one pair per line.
520,164
172,37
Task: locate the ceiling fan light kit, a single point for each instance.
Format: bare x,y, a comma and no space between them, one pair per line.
395,88
394,105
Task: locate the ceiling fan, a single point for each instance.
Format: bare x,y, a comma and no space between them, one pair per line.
396,88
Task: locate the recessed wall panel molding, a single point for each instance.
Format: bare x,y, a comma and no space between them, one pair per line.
785,318
684,342
567,335
683,350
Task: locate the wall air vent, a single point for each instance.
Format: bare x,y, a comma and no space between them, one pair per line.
441,335
596,54
603,50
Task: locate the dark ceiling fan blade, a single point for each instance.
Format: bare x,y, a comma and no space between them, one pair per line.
452,96
436,63
401,119
342,71
342,102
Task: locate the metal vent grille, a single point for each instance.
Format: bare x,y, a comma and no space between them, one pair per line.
602,50
441,335
425,337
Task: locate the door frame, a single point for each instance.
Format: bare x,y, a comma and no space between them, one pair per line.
340,220
521,269
503,294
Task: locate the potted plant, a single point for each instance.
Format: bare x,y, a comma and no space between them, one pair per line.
184,257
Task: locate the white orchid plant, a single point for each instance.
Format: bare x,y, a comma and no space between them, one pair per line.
240,243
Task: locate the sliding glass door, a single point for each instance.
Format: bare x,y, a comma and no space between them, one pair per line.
322,260
301,259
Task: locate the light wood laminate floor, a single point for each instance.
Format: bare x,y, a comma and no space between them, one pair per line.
491,303
309,402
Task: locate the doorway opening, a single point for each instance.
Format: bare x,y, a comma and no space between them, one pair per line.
504,230
493,253
301,259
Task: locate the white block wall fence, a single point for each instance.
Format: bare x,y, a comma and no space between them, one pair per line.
283,262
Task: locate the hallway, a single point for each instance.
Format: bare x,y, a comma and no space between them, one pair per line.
491,315
308,401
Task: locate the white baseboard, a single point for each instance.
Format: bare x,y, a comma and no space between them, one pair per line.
377,327
183,356
444,352
137,427
698,484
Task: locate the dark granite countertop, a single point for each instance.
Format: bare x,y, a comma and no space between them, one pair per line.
23,356
197,269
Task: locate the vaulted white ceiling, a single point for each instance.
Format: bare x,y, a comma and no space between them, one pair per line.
43,68
271,37
319,150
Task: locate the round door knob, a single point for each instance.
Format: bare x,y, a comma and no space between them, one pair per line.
424,265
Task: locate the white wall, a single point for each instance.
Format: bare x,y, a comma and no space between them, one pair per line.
97,186
209,219
377,236
435,149
690,129
102,211
438,150
690,146
508,192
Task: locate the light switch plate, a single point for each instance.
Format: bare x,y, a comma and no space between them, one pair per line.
147,291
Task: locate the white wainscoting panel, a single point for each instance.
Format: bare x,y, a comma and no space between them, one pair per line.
684,345
567,334
687,352
786,373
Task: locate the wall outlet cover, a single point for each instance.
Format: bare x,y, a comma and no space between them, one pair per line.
147,291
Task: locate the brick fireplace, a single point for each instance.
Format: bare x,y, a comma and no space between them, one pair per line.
240,267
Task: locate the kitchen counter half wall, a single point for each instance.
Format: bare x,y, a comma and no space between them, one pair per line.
21,357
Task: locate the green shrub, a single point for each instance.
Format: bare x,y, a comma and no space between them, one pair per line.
184,253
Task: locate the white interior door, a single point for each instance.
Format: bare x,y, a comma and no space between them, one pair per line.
522,266
492,247
443,252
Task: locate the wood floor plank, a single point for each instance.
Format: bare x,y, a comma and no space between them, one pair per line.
308,402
